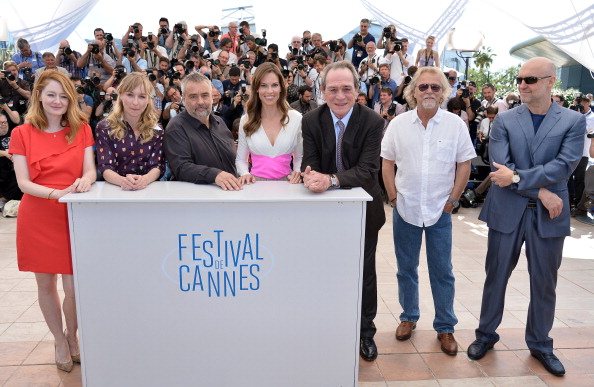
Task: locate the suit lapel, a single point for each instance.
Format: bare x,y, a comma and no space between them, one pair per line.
525,121
550,120
328,135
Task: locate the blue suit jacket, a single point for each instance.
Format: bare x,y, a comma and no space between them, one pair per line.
543,160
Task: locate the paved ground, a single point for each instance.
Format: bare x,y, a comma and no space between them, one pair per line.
26,348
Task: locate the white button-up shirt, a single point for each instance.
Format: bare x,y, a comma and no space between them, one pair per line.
426,159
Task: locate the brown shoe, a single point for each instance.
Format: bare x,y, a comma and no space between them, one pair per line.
448,343
405,329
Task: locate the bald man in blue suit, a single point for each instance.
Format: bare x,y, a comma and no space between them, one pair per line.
534,149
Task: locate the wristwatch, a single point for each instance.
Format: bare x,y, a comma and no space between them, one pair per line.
516,177
453,202
333,182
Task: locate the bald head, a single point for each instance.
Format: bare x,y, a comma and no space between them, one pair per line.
64,43
537,94
547,66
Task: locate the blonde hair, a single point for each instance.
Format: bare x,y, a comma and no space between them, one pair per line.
74,117
148,118
409,91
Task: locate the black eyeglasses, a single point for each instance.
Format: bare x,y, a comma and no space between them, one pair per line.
434,88
452,78
530,80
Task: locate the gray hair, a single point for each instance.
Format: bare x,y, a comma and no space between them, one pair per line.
340,65
409,91
196,78
22,43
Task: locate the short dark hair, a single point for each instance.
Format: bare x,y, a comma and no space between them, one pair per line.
386,90
561,97
244,23
488,85
164,19
225,41
303,89
365,20
454,104
234,71
98,29
492,109
273,46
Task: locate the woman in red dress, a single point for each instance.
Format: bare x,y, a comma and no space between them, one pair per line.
52,155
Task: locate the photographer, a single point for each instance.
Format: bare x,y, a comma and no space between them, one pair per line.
67,59
485,126
359,43
85,101
211,37
26,60
304,75
232,35
337,50
119,72
231,86
49,60
174,104
220,67
576,183
9,188
237,107
272,56
398,58
226,45
385,105
388,35
471,106
134,33
163,33
306,42
106,105
95,58
178,41
304,104
246,66
150,51
13,115
319,66
377,83
13,90
132,61
455,106
218,107
370,65
489,98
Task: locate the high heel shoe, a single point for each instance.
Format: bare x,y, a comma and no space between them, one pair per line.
75,358
66,366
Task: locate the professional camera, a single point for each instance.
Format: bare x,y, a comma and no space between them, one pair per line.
173,74
28,74
131,53
67,50
8,75
334,45
195,47
114,96
181,106
92,81
101,96
306,41
179,29
95,48
293,51
2,101
578,103
300,66
392,109
163,31
262,41
397,44
216,62
245,62
214,33
80,89
513,103
358,37
273,56
152,77
590,135
375,79
387,32
120,72
480,115
285,72
108,37
135,29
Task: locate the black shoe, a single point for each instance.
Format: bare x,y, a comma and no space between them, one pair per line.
367,349
550,362
478,349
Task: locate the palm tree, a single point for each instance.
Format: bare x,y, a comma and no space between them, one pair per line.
483,59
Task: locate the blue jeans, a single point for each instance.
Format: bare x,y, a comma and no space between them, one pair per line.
438,240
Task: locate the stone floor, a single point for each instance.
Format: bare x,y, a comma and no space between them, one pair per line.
26,348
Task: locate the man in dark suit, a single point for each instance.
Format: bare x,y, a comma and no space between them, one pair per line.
533,150
341,148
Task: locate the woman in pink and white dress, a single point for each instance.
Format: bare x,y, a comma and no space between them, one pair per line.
269,132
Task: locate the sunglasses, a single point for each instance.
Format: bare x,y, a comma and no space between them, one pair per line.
529,80
434,88
452,78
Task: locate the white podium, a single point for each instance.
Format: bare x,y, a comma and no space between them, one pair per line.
189,285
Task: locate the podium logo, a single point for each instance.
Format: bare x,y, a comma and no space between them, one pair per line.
221,266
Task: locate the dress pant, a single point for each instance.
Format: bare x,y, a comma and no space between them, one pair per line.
369,291
544,259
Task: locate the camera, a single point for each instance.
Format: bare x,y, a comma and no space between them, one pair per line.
246,63
480,115
465,93
120,72
358,37
392,109
80,90
178,29
375,79
152,77
300,66
216,62
28,74
334,45
92,81
2,101
66,50
262,41
590,135
8,75
163,31
108,37
114,96
194,47
245,97
397,44
151,45
131,53
101,96
214,33
135,29
513,103
387,32
306,41
94,48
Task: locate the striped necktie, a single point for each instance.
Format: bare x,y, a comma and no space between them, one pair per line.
339,163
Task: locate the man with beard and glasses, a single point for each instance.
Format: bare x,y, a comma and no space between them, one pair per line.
198,145
433,151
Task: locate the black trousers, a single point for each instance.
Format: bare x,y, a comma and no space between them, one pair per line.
369,291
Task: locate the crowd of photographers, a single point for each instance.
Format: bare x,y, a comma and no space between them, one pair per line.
384,65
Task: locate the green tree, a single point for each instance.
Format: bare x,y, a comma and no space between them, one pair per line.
484,59
504,80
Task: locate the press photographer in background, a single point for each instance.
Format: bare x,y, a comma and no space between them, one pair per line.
95,58
359,43
15,92
106,105
337,49
150,50
370,65
178,41
85,101
380,81
67,59
398,59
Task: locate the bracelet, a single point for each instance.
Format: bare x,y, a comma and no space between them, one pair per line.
50,194
391,200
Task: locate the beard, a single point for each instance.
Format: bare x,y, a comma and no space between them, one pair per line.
429,103
200,112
